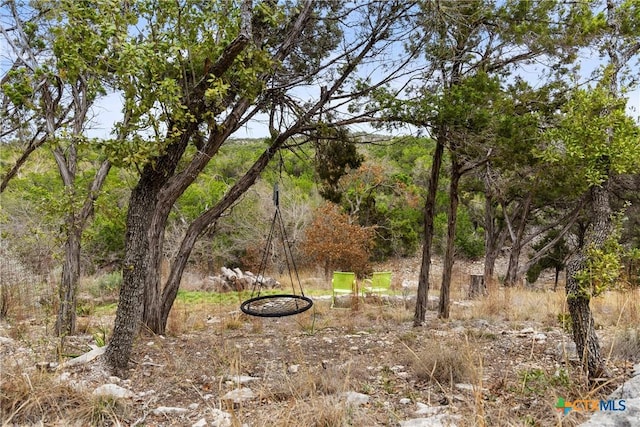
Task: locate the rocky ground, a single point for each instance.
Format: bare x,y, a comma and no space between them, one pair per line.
503,363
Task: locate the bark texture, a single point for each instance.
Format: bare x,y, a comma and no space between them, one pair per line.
584,333
449,255
429,215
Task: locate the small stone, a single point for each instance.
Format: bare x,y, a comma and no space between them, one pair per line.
405,401
193,406
481,323
65,376
356,398
200,423
242,379
6,341
293,369
220,418
464,387
239,395
167,410
540,337
423,409
112,390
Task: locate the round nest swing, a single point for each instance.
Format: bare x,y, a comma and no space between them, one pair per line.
276,305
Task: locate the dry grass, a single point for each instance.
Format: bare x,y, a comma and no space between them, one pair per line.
307,362
444,361
33,397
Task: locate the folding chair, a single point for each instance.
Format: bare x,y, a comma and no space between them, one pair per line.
379,283
342,283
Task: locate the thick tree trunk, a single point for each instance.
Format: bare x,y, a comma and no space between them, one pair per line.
152,311
66,319
429,215
143,252
584,333
134,275
511,278
449,255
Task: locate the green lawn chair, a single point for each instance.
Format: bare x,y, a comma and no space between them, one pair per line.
380,283
342,283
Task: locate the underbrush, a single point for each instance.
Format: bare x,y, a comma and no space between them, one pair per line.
35,397
474,366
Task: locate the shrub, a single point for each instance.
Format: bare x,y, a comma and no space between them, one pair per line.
337,243
110,282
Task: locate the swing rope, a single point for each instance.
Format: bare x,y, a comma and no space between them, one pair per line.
277,305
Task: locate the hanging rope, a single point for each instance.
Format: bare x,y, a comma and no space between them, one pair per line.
277,305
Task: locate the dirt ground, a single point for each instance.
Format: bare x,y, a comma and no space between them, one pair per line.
501,363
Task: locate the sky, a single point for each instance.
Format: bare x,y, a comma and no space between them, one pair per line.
109,110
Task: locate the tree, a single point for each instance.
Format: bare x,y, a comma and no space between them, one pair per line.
463,41
335,241
554,259
336,154
596,138
59,52
192,84
600,141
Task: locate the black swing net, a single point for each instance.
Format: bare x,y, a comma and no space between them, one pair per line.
277,305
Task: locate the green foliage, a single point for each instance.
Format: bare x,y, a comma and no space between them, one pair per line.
110,282
536,381
602,269
336,154
553,259
469,240
566,322
602,266
100,336
594,137
631,259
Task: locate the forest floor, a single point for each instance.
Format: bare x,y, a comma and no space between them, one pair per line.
502,360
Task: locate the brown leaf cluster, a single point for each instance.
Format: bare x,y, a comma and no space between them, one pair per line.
335,242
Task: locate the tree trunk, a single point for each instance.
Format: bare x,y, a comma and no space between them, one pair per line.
429,215
477,286
494,234
511,279
66,319
491,244
199,226
452,217
584,334
143,253
134,275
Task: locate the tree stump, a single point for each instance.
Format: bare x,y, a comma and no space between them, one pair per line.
477,287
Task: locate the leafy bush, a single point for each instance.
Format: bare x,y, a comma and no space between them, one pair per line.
337,243
110,282
469,241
